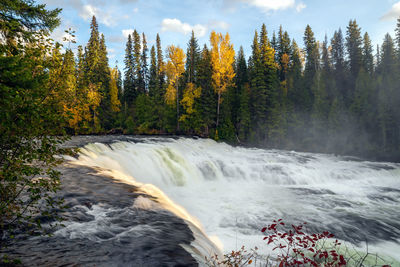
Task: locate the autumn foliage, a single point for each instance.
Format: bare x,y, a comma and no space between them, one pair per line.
296,248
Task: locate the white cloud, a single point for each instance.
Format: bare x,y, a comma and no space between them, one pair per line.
215,24
300,7
135,10
126,32
393,13
59,34
88,11
266,6
175,25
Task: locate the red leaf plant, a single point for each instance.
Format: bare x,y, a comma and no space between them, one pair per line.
295,247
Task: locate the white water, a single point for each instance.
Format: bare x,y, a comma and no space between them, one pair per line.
231,192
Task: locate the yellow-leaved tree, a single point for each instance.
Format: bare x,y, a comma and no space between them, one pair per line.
190,94
222,59
174,69
115,103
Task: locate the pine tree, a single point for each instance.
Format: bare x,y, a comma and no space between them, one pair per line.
241,116
160,62
208,98
311,68
283,53
258,96
144,65
398,38
193,57
294,105
387,97
368,58
354,53
129,80
271,80
92,59
139,83
103,76
153,74
92,49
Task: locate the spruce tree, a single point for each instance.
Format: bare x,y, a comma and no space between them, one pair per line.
368,58
258,96
241,111
129,79
311,68
139,83
354,54
193,57
153,75
144,65
208,103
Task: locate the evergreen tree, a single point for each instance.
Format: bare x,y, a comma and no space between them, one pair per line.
311,68
339,64
144,65
153,74
104,77
193,57
139,82
354,53
241,112
270,75
129,79
397,30
31,121
283,53
388,96
208,102
258,96
368,58
160,62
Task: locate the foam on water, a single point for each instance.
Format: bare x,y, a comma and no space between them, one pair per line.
230,193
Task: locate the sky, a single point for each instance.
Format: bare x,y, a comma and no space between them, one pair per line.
175,19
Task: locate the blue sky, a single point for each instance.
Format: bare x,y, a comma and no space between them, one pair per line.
174,19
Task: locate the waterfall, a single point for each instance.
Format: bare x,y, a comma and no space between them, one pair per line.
227,194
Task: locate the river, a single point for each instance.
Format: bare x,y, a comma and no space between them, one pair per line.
226,194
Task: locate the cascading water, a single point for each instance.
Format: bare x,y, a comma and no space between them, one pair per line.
232,192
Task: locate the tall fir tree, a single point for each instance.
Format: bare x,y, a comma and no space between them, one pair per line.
241,115
354,55
129,79
144,64
208,102
137,56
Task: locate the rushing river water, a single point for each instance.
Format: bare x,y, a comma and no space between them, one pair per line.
227,194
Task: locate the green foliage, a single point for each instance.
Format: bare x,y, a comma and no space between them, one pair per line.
130,125
31,119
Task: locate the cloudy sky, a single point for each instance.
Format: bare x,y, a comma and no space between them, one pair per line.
175,19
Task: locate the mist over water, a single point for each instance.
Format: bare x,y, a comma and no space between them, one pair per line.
230,193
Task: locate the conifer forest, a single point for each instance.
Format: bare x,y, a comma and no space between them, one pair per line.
333,95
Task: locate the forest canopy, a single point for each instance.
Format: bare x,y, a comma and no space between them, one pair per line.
333,95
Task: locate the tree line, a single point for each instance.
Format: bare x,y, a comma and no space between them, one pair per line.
334,96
